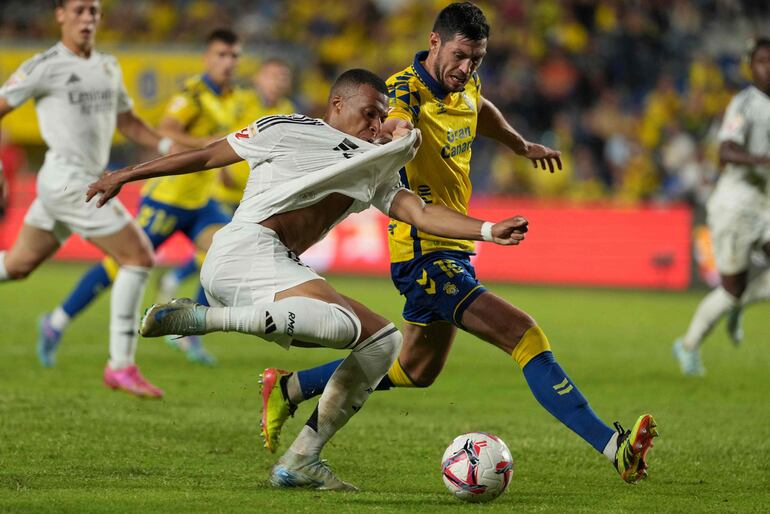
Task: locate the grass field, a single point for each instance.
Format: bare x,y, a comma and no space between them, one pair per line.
69,444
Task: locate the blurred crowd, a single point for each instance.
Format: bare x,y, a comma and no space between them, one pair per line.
631,92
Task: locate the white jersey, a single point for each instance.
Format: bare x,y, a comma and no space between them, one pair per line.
747,123
77,102
297,161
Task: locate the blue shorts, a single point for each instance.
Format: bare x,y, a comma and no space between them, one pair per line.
438,286
160,220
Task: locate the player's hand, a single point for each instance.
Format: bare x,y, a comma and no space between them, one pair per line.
543,156
404,131
511,231
106,187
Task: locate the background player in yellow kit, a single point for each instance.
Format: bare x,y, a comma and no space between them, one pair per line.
207,107
440,93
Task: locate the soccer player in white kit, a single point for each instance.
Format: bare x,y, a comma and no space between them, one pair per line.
306,175
738,212
80,98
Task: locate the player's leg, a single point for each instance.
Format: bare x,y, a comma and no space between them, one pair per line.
733,236
89,287
494,320
347,390
203,223
757,290
32,247
132,250
169,282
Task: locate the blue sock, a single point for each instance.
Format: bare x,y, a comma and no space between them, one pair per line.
91,284
186,269
200,297
561,397
312,381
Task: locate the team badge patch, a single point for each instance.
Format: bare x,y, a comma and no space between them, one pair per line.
450,289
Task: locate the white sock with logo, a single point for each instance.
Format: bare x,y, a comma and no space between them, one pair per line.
710,310
348,388
127,293
296,317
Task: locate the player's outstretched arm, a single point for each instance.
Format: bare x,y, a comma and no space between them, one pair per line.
444,222
215,155
491,123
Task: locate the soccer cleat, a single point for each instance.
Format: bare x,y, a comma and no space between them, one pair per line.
689,360
48,340
735,325
192,346
276,408
633,445
131,381
307,471
180,316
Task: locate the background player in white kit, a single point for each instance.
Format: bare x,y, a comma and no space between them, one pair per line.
80,98
306,175
738,211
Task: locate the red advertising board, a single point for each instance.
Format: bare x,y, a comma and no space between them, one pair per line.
598,245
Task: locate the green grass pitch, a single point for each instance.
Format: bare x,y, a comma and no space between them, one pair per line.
69,444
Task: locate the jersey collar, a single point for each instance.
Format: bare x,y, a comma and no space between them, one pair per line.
433,85
210,84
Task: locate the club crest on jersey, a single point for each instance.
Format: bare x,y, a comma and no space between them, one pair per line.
468,101
450,289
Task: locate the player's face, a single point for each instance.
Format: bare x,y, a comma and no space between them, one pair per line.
456,60
361,112
274,81
220,61
760,68
78,19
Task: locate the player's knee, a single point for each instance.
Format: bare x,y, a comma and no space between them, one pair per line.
19,270
532,343
424,379
346,326
383,346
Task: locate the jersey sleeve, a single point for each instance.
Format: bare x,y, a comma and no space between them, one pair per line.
404,99
386,192
124,100
28,81
183,107
253,144
735,124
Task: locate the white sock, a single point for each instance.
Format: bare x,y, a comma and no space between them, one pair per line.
3,272
348,388
296,317
59,319
127,293
612,447
711,309
757,290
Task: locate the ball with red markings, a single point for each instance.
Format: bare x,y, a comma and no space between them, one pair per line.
477,467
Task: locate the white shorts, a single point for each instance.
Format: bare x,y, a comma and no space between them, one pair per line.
247,264
63,210
735,234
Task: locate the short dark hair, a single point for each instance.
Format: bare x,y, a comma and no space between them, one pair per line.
461,18
357,77
226,36
755,44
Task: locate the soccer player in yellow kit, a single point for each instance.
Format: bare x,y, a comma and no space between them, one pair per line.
207,107
272,84
440,93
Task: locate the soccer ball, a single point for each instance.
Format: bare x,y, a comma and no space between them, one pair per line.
477,467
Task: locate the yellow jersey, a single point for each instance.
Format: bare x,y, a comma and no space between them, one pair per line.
439,173
239,172
203,110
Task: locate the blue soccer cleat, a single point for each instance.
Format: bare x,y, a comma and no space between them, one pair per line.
48,340
180,316
293,470
689,360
